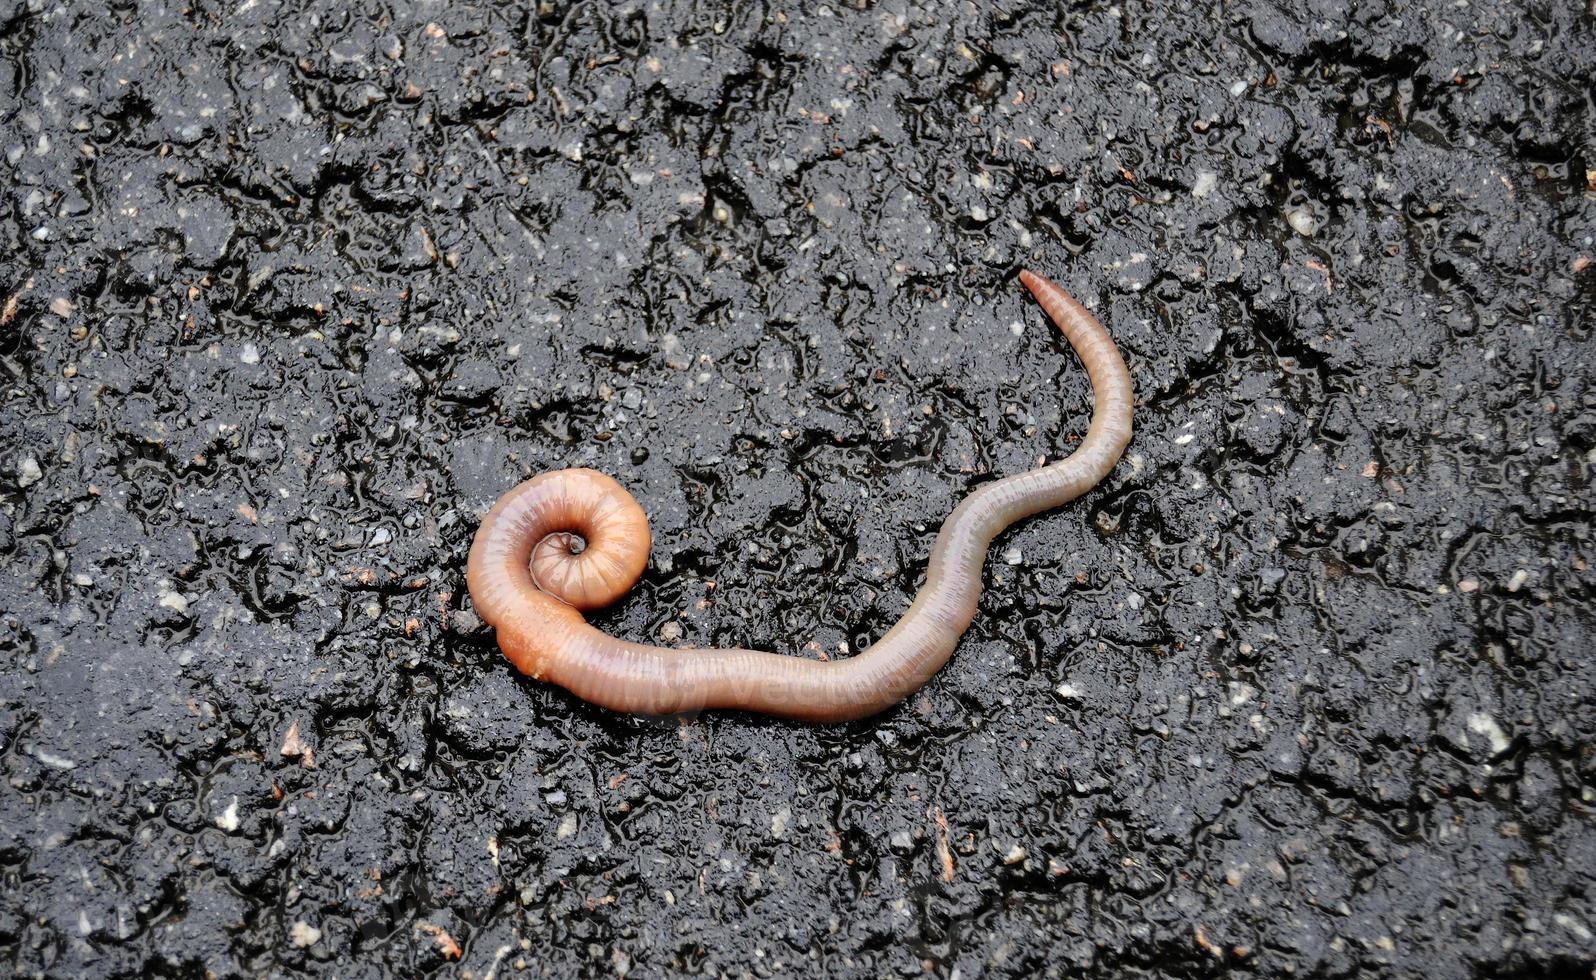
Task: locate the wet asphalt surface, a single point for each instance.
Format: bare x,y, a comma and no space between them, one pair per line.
292,292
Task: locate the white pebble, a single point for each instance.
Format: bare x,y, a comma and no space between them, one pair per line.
1013,556
28,472
1481,723
1207,180
228,819
1517,581
52,760
304,935
1574,926
250,354
1300,221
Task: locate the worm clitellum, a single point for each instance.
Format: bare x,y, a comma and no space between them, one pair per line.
571,540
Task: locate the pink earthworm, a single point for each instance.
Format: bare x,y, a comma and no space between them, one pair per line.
573,540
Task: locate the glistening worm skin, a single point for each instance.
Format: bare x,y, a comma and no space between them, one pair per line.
572,540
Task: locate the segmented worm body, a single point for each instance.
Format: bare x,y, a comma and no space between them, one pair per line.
571,540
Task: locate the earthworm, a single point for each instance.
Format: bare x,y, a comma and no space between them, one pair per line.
573,540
